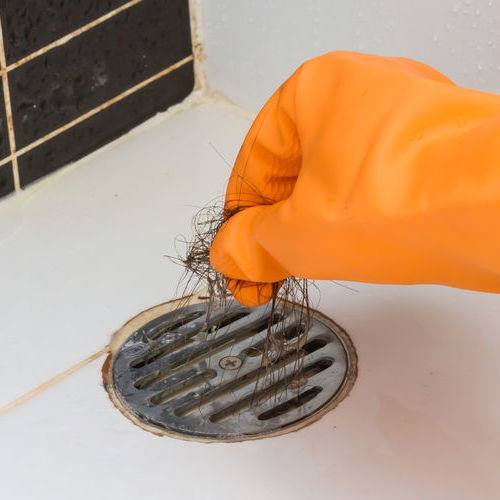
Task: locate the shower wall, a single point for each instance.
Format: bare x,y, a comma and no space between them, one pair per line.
253,45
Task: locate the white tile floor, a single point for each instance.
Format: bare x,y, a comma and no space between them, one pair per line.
82,252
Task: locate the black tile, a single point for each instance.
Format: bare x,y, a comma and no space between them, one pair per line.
6,179
106,125
29,25
4,134
69,80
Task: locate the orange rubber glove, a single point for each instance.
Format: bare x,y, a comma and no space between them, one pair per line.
365,168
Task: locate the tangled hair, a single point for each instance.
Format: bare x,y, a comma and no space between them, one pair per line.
195,259
290,296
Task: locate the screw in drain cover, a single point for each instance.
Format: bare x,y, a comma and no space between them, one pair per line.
230,362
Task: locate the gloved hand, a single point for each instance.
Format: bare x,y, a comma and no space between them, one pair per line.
365,168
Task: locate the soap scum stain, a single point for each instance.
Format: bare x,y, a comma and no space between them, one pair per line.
290,296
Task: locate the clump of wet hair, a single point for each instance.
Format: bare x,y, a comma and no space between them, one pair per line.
195,258
291,296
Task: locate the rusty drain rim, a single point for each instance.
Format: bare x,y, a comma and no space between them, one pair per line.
171,375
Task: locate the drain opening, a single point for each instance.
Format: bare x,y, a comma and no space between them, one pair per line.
246,379
291,404
173,324
194,381
203,351
188,373
214,325
258,398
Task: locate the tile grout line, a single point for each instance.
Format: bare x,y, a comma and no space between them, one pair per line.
73,34
92,112
8,113
54,380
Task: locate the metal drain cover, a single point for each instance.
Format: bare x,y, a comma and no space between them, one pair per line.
183,374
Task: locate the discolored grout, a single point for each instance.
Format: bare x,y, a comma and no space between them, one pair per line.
97,109
54,380
73,34
4,69
8,113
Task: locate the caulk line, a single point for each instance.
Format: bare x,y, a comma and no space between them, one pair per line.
54,380
97,109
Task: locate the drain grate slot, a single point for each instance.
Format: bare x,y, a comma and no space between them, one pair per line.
260,397
187,338
290,332
174,324
213,395
204,375
185,385
291,404
157,353
204,351
226,320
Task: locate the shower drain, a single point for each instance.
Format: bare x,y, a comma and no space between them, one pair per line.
177,372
